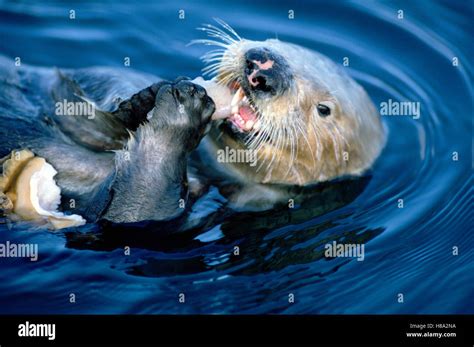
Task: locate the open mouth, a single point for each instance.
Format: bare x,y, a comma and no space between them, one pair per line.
234,105
243,115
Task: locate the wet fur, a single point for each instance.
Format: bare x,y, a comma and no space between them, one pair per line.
294,144
303,147
89,154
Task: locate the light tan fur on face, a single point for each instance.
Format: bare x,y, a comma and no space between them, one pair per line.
294,144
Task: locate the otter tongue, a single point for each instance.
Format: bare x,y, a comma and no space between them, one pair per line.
248,117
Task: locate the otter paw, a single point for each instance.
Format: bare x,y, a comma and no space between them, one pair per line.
184,108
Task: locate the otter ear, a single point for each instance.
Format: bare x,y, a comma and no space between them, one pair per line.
325,108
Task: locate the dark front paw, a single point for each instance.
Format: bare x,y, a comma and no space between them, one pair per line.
185,109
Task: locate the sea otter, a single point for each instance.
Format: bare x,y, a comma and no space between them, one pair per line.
304,119
123,166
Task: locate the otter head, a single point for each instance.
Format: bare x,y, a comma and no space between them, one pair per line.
304,117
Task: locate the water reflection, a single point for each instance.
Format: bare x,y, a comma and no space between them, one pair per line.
267,241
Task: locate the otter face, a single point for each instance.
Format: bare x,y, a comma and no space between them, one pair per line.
305,117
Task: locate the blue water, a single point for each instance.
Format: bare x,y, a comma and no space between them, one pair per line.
407,250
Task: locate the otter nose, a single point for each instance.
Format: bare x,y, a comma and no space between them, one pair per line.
265,71
260,74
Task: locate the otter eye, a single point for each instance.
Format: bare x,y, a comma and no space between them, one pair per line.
324,110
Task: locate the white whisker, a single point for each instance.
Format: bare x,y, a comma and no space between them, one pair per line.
228,28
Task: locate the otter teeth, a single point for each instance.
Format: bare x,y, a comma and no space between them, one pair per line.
238,118
238,99
239,94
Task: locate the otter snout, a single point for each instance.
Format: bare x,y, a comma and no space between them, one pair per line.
266,72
